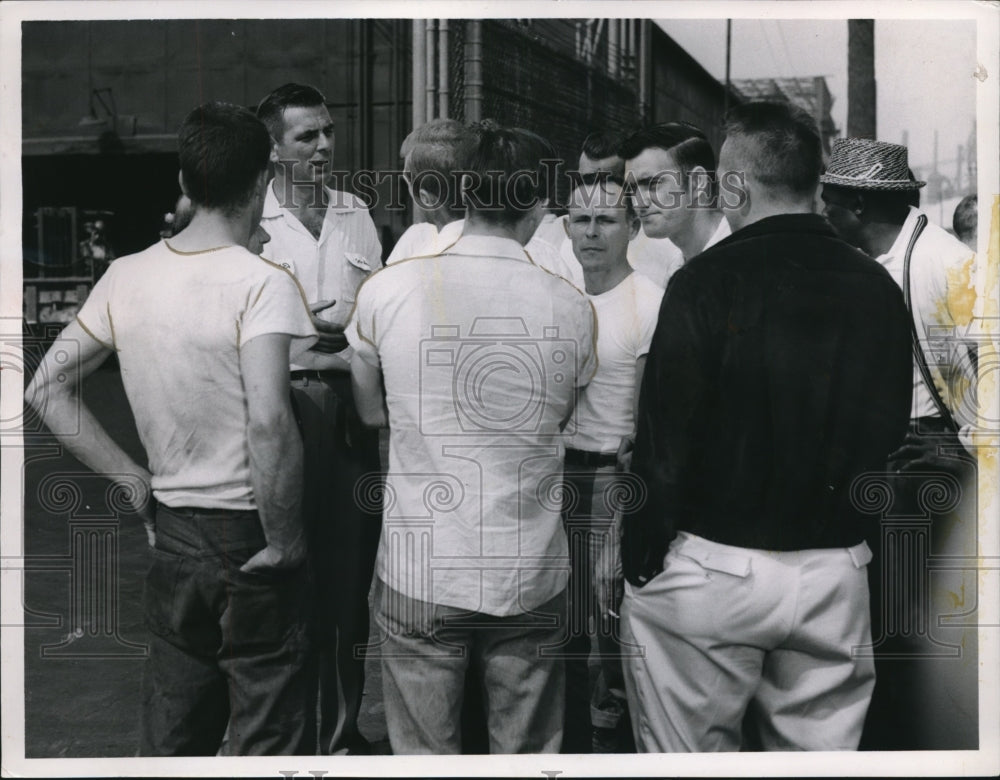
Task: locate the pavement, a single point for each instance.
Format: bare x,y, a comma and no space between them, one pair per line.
85,562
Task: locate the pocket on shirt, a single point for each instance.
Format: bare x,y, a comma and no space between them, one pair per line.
355,270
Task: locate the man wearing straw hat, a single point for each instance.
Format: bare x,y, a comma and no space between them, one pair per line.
925,693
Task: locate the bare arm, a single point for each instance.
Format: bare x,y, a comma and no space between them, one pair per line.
54,393
627,442
369,395
276,456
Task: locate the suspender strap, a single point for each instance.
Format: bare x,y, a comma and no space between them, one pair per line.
918,350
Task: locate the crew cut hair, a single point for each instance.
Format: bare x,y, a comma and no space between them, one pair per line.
271,109
780,145
508,172
223,148
965,220
435,148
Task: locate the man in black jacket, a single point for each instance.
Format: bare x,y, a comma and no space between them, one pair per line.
779,375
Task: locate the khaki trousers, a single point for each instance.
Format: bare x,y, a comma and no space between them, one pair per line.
725,627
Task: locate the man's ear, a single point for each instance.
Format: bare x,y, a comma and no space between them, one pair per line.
180,180
426,200
634,226
697,185
274,150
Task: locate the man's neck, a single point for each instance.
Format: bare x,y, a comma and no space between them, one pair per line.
877,238
299,196
520,231
764,209
212,229
701,228
600,280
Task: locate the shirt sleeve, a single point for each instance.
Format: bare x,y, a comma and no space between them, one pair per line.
278,305
371,247
360,330
95,314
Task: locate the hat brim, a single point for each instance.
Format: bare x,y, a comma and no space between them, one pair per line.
871,184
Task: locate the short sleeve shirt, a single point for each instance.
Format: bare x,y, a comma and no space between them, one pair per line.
626,319
482,352
333,266
177,322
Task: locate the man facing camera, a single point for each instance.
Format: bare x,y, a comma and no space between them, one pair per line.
480,352
202,329
326,238
779,373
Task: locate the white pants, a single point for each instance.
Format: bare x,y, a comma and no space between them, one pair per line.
725,626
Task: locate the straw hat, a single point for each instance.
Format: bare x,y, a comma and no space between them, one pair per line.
864,164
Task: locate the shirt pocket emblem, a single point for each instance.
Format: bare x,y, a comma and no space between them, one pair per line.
358,261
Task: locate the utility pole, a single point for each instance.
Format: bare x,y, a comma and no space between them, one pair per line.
861,78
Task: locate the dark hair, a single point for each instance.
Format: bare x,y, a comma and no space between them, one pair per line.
271,109
506,172
434,151
966,218
601,179
780,145
686,143
222,148
598,146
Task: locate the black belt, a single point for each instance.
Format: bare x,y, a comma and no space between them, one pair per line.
317,376
585,458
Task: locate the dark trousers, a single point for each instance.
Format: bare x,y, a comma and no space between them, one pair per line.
225,646
924,603
344,523
588,520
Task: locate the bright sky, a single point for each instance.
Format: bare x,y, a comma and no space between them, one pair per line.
923,71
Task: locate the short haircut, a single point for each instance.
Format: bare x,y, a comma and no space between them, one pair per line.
506,172
601,179
271,109
687,144
599,146
434,151
223,148
966,218
780,145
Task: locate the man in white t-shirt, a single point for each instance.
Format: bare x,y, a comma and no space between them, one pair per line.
601,224
429,164
655,258
328,240
671,167
203,329
480,353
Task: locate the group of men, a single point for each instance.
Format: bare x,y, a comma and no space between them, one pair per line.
632,434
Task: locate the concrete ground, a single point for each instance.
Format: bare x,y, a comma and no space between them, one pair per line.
84,636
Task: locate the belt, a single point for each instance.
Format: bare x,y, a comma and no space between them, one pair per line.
312,373
585,458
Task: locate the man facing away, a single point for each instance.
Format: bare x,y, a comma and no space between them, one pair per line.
430,166
328,240
926,690
672,169
202,329
778,374
481,352
601,222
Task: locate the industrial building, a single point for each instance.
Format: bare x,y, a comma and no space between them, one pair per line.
101,101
